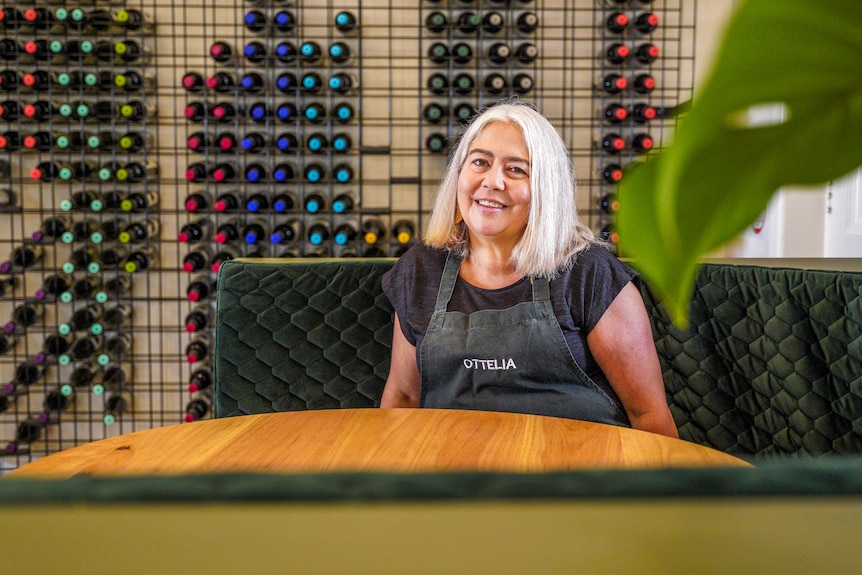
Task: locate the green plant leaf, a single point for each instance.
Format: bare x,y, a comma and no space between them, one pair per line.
802,58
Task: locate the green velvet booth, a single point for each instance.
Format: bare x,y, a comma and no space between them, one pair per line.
771,365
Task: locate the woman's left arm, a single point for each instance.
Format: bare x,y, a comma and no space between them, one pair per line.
623,346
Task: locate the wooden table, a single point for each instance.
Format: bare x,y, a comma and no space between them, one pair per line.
395,440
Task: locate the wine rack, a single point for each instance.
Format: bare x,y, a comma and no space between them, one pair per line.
143,143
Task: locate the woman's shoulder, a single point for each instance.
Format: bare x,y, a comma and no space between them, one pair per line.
417,266
598,258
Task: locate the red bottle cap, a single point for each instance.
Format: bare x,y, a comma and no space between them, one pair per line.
219,175
212,82
183,238
194,142
191,358
29,110
621,20
191,206
621,114
225,143
621,83
31,47
617,175
219,112
190,327
220,238
3,142
623,51
29,80
30,15
194,295
29,142
190,112
220,206
36,174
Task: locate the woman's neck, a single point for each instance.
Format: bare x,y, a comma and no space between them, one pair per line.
489,269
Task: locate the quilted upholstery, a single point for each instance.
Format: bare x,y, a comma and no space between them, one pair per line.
309,335
771,365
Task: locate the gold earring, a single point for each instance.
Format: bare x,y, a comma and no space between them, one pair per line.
458,217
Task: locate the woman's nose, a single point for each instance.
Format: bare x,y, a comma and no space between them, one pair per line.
495,177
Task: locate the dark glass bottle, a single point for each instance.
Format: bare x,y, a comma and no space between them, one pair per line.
195,231
198,318
221,82
200,288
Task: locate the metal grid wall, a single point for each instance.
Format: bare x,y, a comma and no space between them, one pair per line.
271,153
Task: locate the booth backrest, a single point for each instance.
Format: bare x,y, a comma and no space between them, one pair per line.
771,364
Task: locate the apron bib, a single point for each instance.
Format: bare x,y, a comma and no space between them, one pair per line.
514,360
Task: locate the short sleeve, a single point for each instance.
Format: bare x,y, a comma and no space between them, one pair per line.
411,286
598,278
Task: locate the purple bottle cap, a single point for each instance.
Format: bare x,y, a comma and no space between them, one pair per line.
40,358
11,448
39,294
9,327
42,417
5,267
37,236
9,388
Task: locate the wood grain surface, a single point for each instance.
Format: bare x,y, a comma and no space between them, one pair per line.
395,440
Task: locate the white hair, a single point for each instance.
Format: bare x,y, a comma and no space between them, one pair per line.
554,231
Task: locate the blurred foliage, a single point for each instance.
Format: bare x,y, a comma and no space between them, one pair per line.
782,106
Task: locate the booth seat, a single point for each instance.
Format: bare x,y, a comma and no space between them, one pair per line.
769,367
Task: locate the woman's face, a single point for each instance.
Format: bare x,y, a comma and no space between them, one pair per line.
494,185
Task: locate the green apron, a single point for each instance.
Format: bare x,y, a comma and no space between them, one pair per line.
514,360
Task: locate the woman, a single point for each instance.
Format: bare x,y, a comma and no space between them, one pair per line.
509,304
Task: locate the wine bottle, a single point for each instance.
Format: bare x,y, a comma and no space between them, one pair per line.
343,112
434,113
314,203
227,232
195,231
116,405
617,53
199,317
200,380
644,83
527,22
373,230
227,202
255,52
138,202
251,83
255,21
341,143
436,22
492,22
617,23
436,143
254,231
141,259
339,53
343,203
132,81
609,204
283,202
117,346
198,349
317,143
612,173
26,256
646,22
495,83
613,83
257,203
615,113
193,82
225,253
286,143
314,113
345,22
318,232
221,82
643,143
283,21
285,232
253,143
221,52
314,173
197,408
28,431
286,112
83,319
196,260
141,231
226,141
526,53
403,231
224,112
86,347
613,143
118,316
646,53
522,83
200,288
643,113
344,233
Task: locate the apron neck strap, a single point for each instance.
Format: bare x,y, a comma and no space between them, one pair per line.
541,285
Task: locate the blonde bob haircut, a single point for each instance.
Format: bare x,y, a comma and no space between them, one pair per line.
554,233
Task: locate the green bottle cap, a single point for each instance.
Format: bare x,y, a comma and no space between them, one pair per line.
64,359
63,78
96,329
91,79
105,174
103,359
124,237
101,296
97,205
122,16
65,110
63,142
126,142
66,297
67,237
120,81
131,267
126,205
66,390
98,389
120,48
97,237
66,205
64,328
68,267
93,267
109,419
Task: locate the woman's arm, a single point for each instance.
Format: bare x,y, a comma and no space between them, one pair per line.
623,346
404,382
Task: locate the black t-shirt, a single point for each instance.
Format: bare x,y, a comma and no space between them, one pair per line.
579,296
